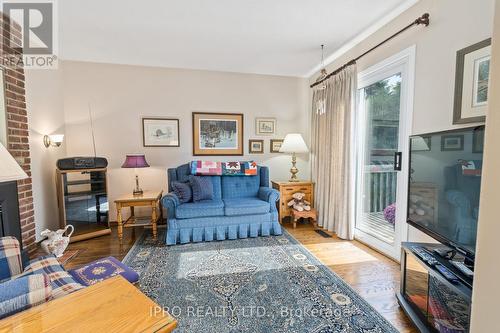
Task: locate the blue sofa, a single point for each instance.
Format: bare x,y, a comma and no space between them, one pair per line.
243,206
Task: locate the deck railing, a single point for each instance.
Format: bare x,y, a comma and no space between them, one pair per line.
382,188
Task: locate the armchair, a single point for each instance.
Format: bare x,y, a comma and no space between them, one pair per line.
462,192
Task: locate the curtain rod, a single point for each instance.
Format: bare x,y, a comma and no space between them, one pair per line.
424,19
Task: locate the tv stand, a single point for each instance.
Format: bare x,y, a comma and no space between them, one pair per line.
433,303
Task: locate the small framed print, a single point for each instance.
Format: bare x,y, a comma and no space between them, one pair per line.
265,126
471,83
256,146
276,145
452,143
160,132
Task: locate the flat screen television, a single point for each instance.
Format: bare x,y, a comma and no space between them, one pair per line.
445,185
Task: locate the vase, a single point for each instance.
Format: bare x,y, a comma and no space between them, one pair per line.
56,243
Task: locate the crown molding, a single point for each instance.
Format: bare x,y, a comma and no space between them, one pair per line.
363,35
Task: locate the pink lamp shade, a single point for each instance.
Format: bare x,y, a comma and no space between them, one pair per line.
135,161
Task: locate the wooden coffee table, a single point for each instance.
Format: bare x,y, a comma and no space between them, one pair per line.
149,199
113,305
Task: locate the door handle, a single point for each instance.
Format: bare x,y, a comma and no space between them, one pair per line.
397,160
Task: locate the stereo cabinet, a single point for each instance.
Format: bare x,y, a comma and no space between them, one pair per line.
82,198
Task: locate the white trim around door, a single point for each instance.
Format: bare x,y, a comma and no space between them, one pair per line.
402,63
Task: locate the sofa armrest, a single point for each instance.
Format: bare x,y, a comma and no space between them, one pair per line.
23,293
11,261
270,195
460,201
170,202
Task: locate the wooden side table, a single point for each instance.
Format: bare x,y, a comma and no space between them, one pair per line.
311,214
148,198
287,189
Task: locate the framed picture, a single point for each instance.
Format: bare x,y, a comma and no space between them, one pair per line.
265,126
256,146
478,139
452,142
217,134
160,132
421,143
471,83
276,145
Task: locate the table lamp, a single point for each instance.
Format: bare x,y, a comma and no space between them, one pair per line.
294,143
136,161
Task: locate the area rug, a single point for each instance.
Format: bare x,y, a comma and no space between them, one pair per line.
264,284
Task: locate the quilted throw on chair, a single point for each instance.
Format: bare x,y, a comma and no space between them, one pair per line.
209,168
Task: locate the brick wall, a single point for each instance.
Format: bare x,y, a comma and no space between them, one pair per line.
17,127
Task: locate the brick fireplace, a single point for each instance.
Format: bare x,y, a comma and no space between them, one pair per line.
17,128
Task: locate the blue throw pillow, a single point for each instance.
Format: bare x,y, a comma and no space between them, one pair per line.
182,191
202,187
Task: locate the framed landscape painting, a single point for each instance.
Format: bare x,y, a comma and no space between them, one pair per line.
160,132
265,126
217,134
471,83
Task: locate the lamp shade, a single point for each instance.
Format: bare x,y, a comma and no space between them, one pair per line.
135,161
9,169
419,143
294,143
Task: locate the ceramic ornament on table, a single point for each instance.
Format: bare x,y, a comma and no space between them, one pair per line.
56,243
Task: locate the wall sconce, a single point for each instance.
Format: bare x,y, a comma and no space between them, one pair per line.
54,140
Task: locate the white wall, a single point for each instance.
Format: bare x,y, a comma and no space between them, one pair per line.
486,292
44,101
120,95
454,25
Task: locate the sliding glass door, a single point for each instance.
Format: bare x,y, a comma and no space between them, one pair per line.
382,129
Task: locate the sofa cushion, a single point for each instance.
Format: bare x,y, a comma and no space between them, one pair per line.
245,206
23,293
202,188
61,281
240,187
202,208
182,174
102,269
183,191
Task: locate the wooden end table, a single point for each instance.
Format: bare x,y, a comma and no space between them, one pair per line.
287,189
149,199
113,305
311,214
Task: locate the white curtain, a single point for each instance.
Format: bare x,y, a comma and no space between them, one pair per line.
331,151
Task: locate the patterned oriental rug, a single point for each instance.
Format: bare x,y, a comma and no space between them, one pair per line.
265,284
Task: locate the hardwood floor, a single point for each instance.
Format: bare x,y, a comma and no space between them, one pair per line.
371,274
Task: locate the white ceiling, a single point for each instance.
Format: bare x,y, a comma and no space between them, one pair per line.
281,37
